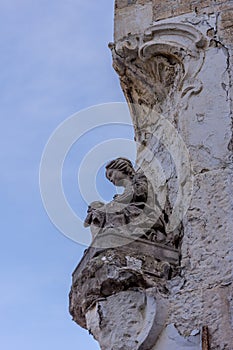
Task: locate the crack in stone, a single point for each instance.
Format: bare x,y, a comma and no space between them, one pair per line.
228,86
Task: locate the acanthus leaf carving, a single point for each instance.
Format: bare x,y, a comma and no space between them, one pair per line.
159,69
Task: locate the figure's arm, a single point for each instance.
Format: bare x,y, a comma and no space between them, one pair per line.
95,214
126,197
88,220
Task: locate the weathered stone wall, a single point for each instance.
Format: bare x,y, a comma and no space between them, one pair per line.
175,61
202,294
170,8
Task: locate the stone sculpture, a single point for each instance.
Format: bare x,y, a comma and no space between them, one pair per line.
131,212
174,62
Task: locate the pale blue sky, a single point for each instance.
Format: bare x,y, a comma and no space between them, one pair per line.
54,62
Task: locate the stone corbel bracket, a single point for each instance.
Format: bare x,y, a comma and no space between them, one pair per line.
182,42
159,69
127,320
120,294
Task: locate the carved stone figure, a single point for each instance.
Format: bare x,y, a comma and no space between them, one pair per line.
130,211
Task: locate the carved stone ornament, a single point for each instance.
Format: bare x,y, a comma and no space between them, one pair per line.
125,286
122,278
135,213
159,69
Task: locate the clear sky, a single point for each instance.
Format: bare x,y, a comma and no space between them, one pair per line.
54,62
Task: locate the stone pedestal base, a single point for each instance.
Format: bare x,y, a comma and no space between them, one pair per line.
127,320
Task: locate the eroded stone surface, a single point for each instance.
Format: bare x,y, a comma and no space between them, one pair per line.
171,339
132,18
207,260
141,265
139,317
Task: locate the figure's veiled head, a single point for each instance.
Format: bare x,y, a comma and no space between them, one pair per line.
119,171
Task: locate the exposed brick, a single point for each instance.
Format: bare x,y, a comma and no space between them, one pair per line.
119,4
170,8
226,26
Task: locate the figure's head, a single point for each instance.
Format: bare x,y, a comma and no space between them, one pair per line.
119,171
